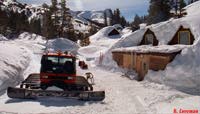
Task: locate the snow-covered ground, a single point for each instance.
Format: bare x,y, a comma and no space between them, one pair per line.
21,56
122,94
99,43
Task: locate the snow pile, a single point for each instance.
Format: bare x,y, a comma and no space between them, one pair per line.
31,37
13,60
62,44
104,34
127,31
183,73
153,49
118,26
100,43
130,40
2,38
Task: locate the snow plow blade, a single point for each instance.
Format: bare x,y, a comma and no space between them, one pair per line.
21,93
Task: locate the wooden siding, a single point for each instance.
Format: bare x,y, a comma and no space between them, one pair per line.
175,39
142,62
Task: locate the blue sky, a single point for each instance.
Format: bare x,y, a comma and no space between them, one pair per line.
128,7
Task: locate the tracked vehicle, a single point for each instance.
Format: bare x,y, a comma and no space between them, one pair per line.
57,70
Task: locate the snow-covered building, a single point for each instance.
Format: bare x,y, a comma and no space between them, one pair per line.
150,54
146,57
153,47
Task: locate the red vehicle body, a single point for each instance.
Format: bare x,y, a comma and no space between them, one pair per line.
58,69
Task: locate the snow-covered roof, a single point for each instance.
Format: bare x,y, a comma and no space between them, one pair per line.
164,31
130,40
103,32
152,49
118,26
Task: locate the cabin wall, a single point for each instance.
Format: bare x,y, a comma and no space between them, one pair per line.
141,63
118,58
158,62
127,60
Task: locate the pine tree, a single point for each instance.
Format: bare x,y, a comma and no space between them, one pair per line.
137,21
54,5
44,5
48,27
4,21
54,11
67,28
35,26
182,4
123,21
159,10
118,15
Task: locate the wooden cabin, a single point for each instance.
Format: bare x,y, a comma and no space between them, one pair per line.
149,38
141,62
182,36
113,32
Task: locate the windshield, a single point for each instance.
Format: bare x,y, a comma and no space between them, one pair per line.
54,64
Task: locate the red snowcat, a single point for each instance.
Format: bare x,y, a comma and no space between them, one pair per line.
59,70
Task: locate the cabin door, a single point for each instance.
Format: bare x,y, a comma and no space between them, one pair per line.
144,66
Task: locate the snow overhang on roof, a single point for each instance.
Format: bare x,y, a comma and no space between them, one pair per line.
165,31
153,49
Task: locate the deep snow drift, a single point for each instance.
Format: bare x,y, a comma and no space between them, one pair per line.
99,43
13,60
16,55
62,44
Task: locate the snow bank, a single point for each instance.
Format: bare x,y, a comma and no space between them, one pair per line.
25,36
153,49
130,40
103,34
183,73
126,31
13,60
62,44
100,44
2,38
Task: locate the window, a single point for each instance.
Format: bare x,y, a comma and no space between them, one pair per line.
55,64
184,37
149,39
